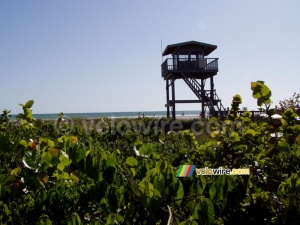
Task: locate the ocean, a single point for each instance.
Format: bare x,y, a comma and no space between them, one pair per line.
158,114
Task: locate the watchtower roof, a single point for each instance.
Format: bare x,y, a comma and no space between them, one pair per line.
206,48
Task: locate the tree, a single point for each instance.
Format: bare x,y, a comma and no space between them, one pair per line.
292,103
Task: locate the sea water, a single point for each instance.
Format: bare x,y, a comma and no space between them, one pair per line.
158,114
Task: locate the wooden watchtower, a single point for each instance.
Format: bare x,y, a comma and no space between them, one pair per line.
188,62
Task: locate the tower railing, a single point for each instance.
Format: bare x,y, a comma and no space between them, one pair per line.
189,65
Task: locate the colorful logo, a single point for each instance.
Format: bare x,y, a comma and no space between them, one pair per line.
185,170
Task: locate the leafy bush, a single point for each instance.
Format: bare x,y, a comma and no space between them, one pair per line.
129,177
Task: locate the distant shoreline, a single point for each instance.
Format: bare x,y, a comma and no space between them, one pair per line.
188,114
178,117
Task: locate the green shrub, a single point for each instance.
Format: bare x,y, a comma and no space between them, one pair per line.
59,174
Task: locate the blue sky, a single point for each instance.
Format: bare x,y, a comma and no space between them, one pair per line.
105,56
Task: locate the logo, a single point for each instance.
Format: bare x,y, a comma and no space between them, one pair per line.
185,170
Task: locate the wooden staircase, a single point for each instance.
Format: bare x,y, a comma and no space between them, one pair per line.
210,100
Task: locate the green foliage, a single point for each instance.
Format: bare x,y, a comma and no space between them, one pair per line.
121,175
4,119
261,92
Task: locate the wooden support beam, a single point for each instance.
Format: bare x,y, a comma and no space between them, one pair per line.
212,88
202,94
168,98
173,99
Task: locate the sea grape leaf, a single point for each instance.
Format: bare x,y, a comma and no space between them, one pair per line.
29,104
46,157
210,211
283,146
212,191
64,160
50,143
74,220
135,189
147,149
188,222
16,171
298,139
43,177
4,143
23,143
74,139
74,178
2,190
251,132
2,178
53,151
119,218
77,154
237,98
28,113
131,161
44,221
179,194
